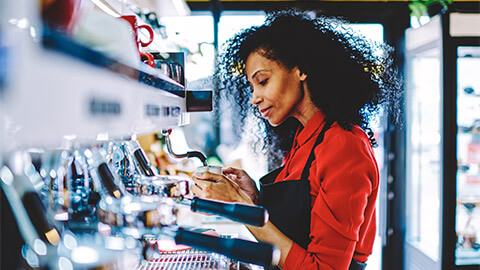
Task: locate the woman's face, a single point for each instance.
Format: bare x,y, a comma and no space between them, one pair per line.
277,90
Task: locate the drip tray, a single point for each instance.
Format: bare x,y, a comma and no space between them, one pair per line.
190,259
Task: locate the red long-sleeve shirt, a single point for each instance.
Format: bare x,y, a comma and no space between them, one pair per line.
343,204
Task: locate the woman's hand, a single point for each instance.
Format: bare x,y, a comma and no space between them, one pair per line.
219,187
236,186
243,180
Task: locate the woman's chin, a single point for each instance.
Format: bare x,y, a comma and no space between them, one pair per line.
273,123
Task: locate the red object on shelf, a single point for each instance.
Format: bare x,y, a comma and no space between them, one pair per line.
144,56
132,20
60,14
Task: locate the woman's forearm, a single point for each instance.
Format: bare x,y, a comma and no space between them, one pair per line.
271,234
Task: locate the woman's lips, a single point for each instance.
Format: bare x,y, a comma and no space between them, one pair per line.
265,112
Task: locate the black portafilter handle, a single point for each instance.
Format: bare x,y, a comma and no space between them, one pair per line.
242,250
248,214
108,180
37,214
143,162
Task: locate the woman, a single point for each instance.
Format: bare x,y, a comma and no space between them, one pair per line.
317,84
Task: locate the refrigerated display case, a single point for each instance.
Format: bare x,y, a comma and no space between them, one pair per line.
468,156
424,148
443,143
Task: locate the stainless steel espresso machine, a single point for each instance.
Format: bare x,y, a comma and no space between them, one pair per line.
77,190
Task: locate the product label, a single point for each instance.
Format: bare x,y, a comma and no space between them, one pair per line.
152,110
105,107
175,111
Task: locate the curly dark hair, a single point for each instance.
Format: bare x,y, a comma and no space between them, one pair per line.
349,77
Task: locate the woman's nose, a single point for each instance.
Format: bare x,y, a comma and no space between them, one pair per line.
256,99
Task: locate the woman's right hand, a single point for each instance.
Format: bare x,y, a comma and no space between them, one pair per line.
244,181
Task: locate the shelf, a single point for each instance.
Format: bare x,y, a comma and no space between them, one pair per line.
65,91
467,257
64,45
468,130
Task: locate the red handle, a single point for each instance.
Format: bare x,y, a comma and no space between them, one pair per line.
150,60
150,32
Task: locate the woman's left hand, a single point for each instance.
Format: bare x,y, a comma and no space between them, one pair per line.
218,187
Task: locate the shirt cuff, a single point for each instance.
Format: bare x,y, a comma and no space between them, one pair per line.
294,257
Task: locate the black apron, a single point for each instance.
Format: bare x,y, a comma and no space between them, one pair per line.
289,202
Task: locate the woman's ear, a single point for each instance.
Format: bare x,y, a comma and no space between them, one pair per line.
301,75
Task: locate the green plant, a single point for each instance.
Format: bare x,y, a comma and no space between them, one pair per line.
420,7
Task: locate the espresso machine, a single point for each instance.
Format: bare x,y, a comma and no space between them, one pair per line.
77,190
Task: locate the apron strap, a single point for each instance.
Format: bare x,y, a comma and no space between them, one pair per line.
306,169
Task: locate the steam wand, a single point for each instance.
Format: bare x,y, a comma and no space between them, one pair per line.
197,154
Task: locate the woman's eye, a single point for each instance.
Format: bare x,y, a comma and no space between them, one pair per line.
263,82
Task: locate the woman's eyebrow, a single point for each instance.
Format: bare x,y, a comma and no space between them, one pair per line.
256,73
